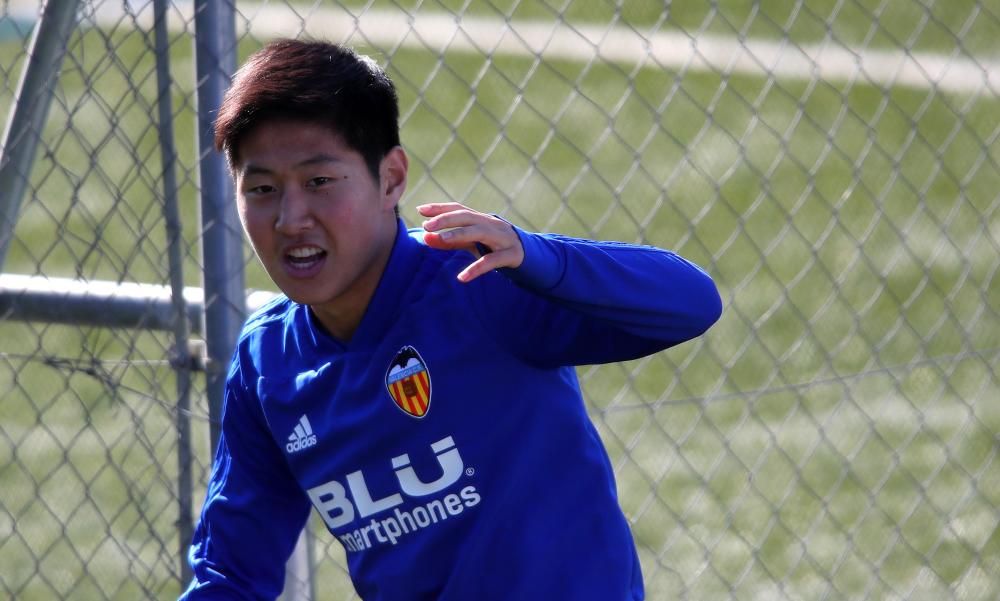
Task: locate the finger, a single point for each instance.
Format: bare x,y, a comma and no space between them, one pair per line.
436,208
487,263
437,240
473,271
455,218
489,236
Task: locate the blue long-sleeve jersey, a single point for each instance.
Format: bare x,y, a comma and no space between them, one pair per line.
446,445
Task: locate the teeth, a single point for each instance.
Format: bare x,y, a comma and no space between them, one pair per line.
305,252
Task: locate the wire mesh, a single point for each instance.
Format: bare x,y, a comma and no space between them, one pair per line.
834,166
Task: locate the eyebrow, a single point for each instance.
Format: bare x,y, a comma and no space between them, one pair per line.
251,169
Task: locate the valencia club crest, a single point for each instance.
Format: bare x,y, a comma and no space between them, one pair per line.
409,382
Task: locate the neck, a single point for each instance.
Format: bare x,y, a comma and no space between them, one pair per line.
342,316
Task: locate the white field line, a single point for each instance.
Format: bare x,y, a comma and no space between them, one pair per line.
702,52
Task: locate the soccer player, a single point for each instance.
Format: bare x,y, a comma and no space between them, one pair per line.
417,388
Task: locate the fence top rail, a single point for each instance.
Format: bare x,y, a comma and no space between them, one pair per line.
101,302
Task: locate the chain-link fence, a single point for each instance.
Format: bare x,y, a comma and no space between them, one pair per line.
834,165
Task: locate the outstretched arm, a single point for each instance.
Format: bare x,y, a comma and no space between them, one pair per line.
589,301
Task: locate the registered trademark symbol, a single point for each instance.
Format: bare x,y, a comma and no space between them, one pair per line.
469,471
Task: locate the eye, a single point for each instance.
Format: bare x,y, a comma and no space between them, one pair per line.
259,190
316,182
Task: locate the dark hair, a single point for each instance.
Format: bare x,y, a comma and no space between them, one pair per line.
312,81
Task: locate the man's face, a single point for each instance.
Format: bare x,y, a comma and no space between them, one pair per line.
322,226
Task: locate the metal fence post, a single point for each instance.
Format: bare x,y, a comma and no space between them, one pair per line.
222,238
181,358
31,107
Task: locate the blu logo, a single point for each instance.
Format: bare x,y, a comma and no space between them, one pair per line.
332,502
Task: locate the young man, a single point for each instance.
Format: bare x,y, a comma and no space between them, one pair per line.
416,388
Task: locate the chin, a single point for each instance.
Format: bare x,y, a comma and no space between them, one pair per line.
303,298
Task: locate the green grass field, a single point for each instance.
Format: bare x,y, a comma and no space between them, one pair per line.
834,436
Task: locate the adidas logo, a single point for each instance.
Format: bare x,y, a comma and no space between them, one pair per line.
302,437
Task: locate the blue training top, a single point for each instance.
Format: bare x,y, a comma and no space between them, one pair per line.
446,445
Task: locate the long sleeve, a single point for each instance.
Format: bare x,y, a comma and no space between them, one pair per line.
253,512
575,301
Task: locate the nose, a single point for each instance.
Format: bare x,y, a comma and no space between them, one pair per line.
294,215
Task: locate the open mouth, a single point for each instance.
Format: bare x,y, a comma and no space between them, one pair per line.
305,257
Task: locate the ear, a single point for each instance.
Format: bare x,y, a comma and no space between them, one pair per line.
392,176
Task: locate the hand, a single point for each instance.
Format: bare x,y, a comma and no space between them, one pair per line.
464,228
